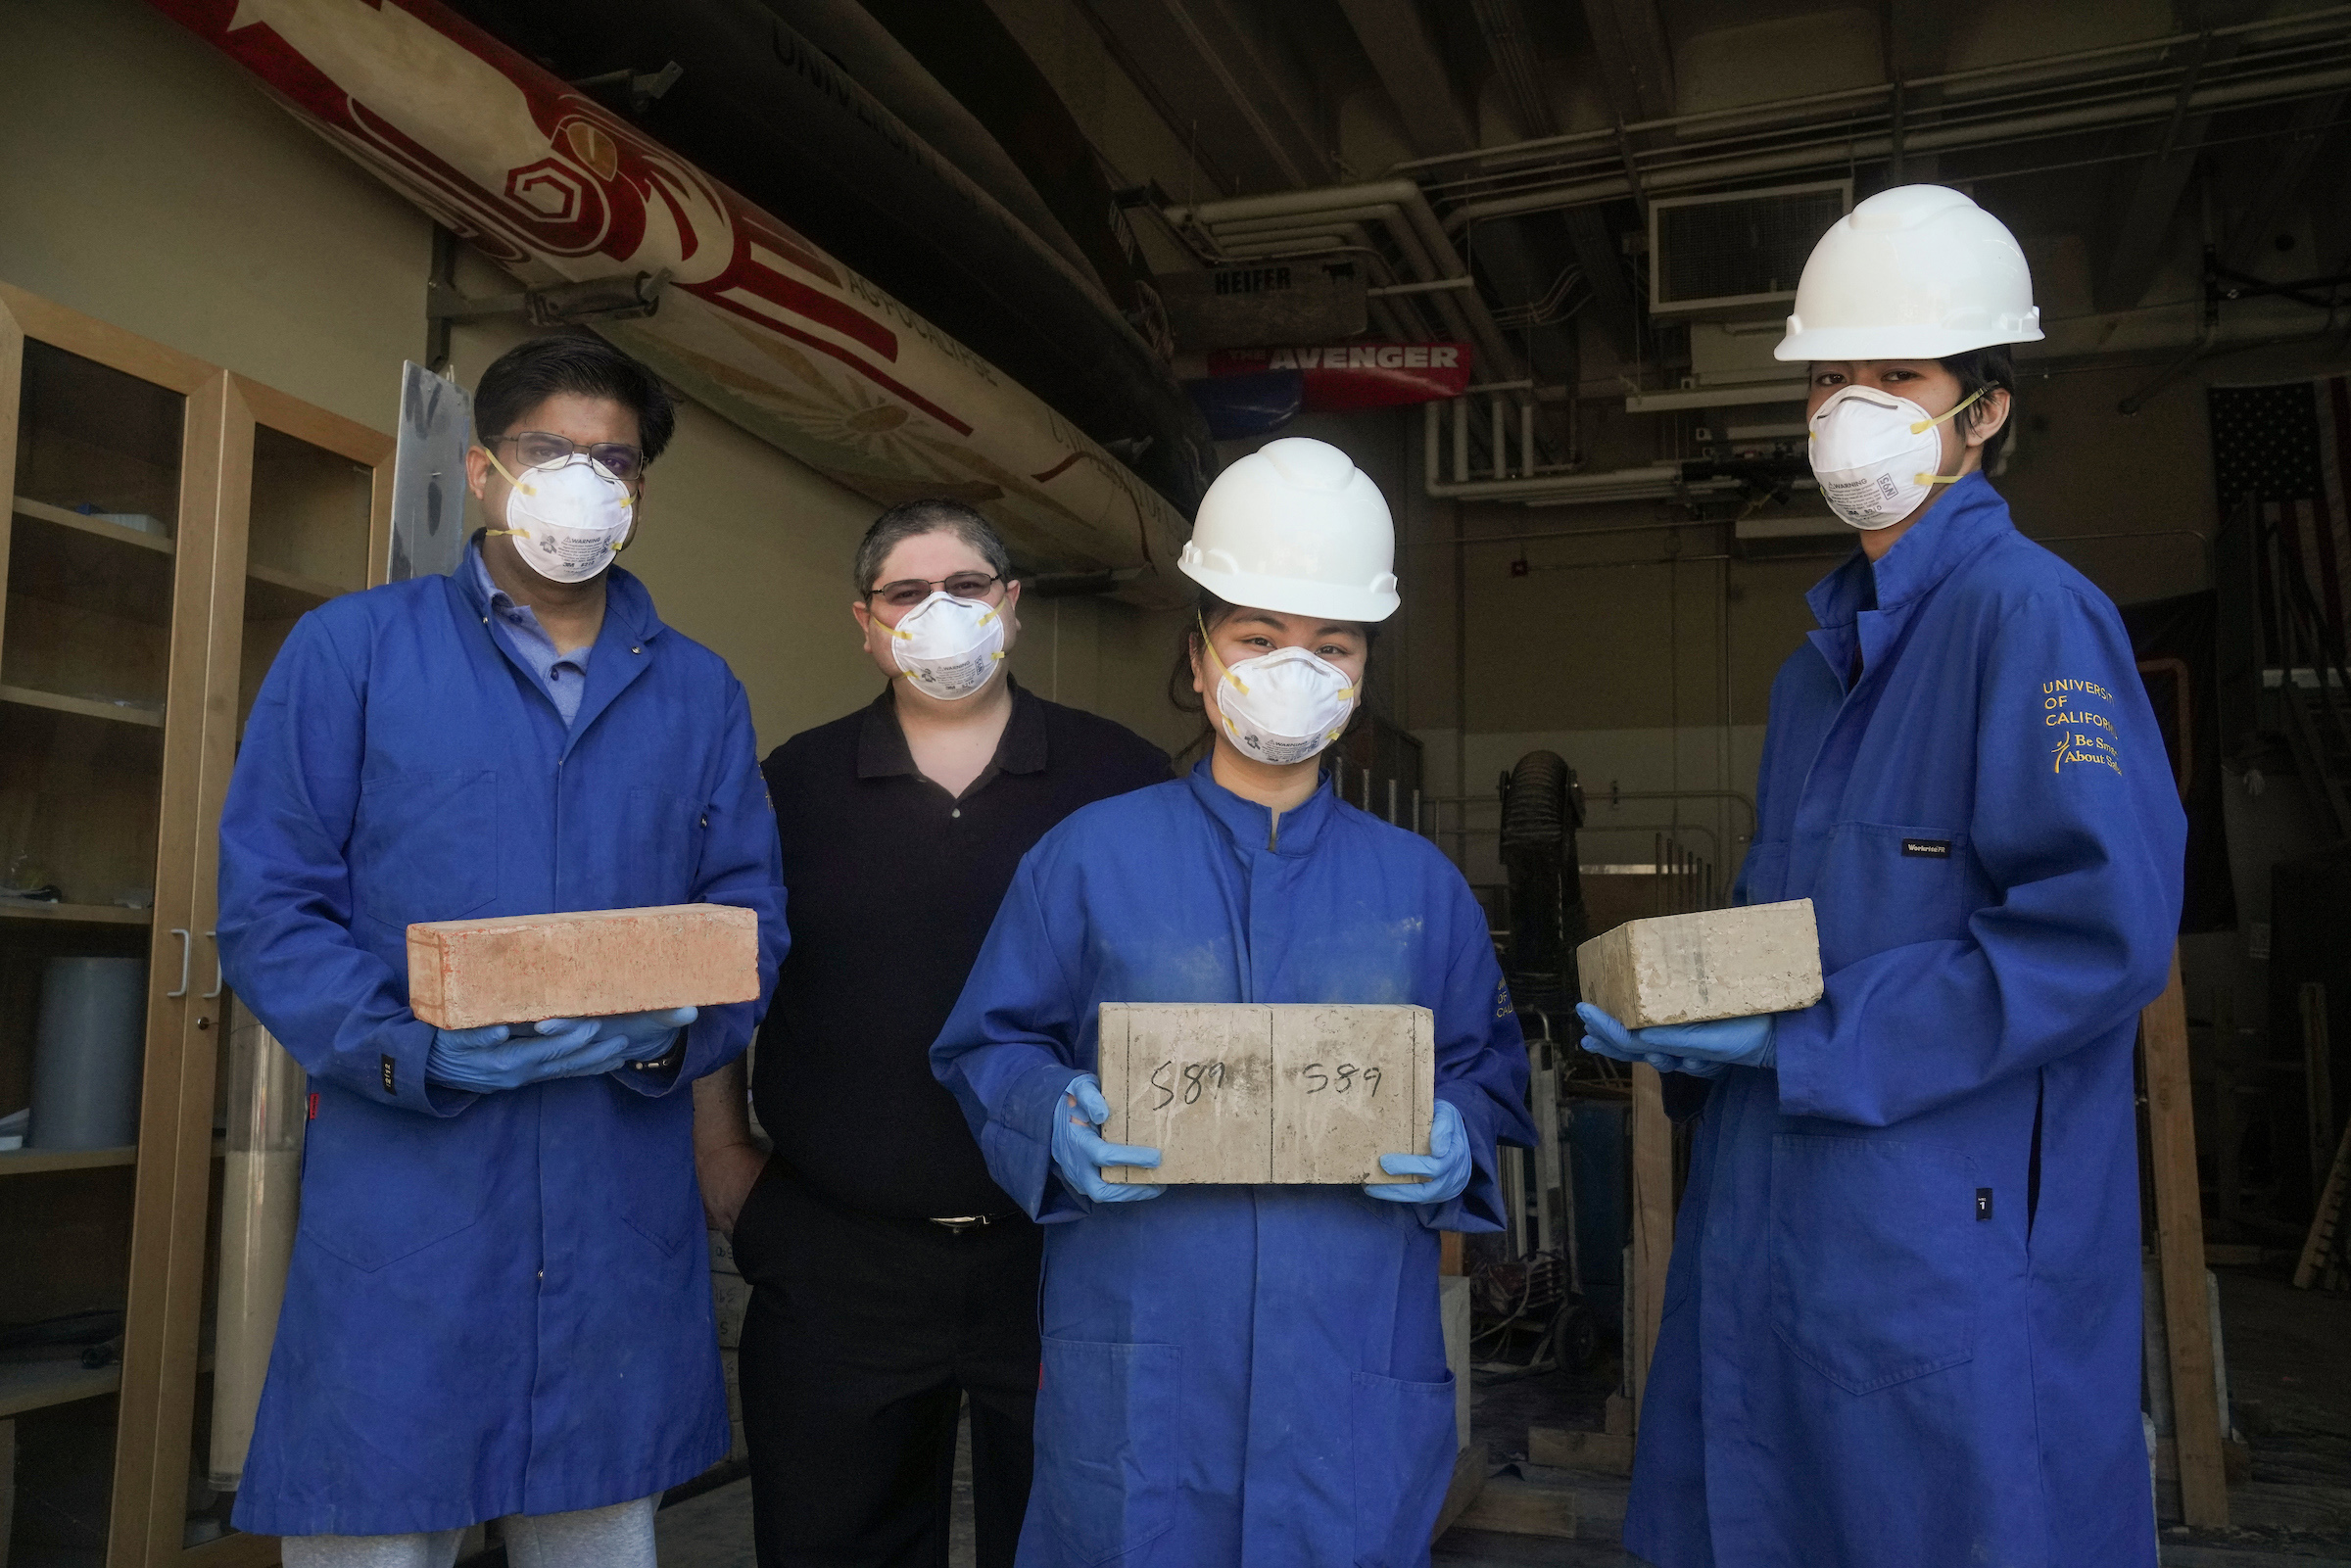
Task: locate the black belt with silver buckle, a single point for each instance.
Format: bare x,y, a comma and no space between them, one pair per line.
960,1223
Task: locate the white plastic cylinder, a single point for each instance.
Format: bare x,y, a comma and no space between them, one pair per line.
260,1195
86,1053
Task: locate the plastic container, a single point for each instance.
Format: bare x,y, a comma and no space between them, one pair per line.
86,1052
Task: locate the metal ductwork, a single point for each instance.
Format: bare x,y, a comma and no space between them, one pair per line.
1542,807
2153,82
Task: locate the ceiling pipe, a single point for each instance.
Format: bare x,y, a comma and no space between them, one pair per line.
1657,481
883,67
1954,86
1840,150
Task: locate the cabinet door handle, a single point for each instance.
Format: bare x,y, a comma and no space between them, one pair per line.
187,945
219,968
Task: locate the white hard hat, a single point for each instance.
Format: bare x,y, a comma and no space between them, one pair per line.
1295,527
1916,273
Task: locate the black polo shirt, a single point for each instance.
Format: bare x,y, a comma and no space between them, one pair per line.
892,886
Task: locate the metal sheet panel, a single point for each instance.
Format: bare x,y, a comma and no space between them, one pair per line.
428,474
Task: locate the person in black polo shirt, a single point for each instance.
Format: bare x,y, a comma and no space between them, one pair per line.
891,1275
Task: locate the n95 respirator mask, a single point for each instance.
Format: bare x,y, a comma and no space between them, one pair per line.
1284,706
948,647
1877,456
568,519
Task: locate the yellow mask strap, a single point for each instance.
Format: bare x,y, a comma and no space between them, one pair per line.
1922,426
1205,642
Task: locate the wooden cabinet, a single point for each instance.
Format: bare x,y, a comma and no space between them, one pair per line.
169,522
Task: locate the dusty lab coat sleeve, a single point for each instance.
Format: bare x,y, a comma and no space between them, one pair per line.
1010,1049
741,866
1481,1067
2081,846
285,886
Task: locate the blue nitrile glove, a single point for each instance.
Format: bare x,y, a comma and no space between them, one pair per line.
1447,1163
1701,1050
1079,1151
495,1057
646,1035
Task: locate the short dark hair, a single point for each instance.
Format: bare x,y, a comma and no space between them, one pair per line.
1208,613
1980,370
578,362
911,519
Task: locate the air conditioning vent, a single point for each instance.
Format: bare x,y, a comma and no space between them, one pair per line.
1736,253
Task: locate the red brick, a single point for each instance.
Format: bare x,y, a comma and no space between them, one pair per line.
517,969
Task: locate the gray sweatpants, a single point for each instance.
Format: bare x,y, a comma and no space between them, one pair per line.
620,1535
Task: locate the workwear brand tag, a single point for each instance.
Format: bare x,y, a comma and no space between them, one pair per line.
387,1089
1983,1202
1928,848
313,1116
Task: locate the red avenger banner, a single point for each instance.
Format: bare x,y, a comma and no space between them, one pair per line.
1341,376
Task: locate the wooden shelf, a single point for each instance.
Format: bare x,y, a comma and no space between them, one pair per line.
75,914
85,706
37,1385
33,1162
236,1549
311,587
97,527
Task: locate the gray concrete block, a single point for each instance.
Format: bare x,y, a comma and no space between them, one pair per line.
1248,1092
1715,963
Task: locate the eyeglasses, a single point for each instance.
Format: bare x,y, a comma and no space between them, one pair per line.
908,592
538,448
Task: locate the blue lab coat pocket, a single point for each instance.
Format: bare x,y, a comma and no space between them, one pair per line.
661,1202
1404,1442
1883,885
383,1182
1877,1257
1108,1420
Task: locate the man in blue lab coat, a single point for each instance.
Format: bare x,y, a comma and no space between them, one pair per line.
1902,1319
500,1303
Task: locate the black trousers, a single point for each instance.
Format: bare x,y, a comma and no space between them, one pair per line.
862,1336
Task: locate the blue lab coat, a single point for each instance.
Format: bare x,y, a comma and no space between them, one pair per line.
1902,1319
499,1303
1234,1375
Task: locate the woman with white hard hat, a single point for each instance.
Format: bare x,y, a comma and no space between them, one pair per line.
1243,1374
1903,1322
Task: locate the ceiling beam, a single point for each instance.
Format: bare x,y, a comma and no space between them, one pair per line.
1601,259
1597,254
2149,195
2288,162
1246,115
1413,71
1636,60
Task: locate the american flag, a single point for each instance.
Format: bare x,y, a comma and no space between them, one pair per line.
2286,444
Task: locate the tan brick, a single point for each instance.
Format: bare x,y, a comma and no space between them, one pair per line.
1716,963
516,968
1266,1092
